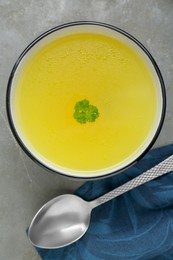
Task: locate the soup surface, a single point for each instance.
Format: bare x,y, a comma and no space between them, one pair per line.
108,74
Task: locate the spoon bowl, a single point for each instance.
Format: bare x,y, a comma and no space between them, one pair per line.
60,222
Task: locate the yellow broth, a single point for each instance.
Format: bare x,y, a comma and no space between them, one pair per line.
111,76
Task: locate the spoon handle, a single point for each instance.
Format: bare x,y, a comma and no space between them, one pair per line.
158,170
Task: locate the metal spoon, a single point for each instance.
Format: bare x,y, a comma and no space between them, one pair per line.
65,219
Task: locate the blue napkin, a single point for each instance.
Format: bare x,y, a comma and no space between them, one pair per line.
135,225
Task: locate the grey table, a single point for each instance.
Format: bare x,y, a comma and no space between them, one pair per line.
24,186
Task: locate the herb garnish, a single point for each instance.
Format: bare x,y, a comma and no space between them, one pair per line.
84,112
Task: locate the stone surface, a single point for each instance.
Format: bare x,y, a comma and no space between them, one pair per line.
24,186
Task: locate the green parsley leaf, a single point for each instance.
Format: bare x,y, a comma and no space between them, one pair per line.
84,112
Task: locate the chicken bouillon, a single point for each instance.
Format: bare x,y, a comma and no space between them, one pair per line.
85,102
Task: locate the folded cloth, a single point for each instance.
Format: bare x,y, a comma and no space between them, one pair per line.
135,225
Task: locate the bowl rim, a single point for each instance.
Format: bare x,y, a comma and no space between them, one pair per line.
52,30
